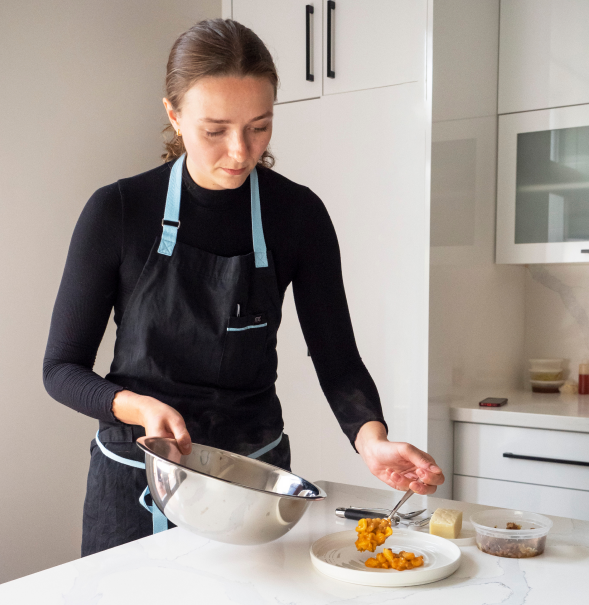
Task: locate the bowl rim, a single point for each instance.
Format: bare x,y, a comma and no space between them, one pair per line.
141,442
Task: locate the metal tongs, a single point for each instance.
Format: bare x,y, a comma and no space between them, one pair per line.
355,513
400,503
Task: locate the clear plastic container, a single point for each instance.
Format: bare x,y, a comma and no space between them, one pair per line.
493,537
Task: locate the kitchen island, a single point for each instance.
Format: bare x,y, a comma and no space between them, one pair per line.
178,567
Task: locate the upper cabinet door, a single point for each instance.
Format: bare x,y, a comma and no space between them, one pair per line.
374,43
542,185
282,25
544,54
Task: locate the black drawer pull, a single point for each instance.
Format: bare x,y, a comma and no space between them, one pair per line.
309,11
330,10
539,459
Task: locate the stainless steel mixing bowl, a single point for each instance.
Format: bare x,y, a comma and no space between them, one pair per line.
224,496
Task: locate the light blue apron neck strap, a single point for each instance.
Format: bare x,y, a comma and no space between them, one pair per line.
260,253
172,211
159,520
172,214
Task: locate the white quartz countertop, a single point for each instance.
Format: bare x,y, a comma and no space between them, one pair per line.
177,567
524,408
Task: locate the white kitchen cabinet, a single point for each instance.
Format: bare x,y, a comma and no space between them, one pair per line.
523,496
373,183
522,480
374,43
544,54
480,448
378,205
282,26
543,186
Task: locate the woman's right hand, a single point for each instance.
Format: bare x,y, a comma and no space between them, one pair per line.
158,418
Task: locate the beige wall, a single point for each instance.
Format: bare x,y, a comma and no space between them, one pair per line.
81,84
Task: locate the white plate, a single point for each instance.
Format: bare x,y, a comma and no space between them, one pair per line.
336,556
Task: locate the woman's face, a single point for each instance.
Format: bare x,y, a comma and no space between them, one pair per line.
226,124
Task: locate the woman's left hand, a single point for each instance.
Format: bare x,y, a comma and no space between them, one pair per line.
400,465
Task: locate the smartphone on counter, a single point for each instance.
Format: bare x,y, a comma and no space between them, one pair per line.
493,402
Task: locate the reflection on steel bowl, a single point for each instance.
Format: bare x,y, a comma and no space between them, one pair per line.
224,496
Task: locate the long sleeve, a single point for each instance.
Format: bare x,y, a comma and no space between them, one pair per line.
84,302
325,320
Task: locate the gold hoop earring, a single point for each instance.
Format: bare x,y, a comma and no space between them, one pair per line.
178,133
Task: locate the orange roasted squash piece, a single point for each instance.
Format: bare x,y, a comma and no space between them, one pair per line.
372,533
387,559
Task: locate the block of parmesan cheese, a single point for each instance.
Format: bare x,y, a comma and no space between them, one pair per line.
446,523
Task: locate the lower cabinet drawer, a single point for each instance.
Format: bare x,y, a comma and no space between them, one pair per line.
522,496
479,449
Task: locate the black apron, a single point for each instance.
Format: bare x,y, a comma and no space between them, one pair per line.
199,333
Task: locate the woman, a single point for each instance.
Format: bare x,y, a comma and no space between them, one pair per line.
195,256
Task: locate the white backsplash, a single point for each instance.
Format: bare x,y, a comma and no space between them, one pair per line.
557,314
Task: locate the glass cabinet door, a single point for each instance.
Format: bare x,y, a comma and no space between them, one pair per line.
543,186
552,186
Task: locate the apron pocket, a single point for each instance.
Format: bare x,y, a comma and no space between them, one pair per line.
243,351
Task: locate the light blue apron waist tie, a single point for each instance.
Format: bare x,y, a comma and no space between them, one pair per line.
172,215
266,448
160,521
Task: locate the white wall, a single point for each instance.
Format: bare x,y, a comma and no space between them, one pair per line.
81,85
476,307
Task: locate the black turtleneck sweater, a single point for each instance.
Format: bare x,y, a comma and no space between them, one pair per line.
111,243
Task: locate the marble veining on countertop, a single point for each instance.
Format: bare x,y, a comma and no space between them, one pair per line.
524,408
178,567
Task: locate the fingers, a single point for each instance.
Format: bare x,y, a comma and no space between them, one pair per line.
398,481
181,435
420,488
430,478
161,420
403,483
426,470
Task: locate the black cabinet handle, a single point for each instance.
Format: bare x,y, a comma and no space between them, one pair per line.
309,11
540,459
330,9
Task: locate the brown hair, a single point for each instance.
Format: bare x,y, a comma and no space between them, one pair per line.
214,47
